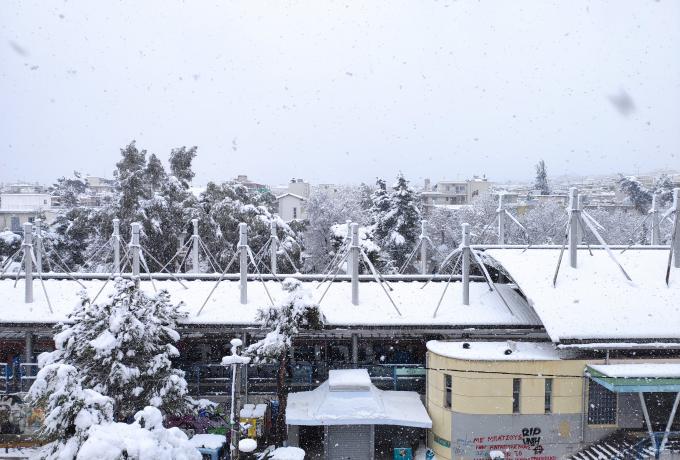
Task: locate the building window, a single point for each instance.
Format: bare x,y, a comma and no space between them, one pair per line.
601,405
448,384
294,212
516,388
548,395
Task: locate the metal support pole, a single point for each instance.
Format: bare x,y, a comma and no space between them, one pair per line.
38,245
355,349
354,257
423,247
194,247
115,241
676,248
501,219
273,247
649,424
667,431
465,255
243,260
134,247
28,348
28,261
655,233
348,238
573,226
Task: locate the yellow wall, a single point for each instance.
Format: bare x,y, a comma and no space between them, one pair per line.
476,390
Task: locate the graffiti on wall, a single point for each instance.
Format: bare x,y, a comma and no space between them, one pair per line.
523,445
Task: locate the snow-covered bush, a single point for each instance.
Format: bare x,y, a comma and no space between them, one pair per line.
70,409
144,439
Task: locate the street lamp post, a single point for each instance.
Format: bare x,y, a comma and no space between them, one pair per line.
234,360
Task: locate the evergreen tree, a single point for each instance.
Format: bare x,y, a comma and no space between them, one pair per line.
541,183
155,173
396,218
122,348
180,164
70,409
296,312
67,191
132,184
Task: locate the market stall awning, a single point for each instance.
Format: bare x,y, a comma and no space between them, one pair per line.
349,398
637,377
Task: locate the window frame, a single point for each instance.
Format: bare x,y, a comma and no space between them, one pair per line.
605,395
448,391
516,395
548,396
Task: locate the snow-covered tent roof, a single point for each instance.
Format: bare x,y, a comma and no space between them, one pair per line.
346,399
595,301
224,308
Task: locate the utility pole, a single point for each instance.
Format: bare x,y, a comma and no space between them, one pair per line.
465,245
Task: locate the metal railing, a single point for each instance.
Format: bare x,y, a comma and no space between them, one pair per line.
215,379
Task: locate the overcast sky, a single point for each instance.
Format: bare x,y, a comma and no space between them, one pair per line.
341,91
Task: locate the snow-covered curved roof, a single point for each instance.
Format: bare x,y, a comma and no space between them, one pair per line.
595,301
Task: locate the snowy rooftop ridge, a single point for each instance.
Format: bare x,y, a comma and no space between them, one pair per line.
495,351
595,301
224,308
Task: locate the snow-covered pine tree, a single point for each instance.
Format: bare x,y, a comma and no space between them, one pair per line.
295,312
396,229
131,181
122,348
541,183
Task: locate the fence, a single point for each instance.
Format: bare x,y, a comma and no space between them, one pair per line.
215,379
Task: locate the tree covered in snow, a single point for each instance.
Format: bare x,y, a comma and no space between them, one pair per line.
122,348
295,312
396,218
220,210
641,196
541,183
326,208
10,243
70,408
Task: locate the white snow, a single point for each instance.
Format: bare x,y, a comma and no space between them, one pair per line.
368,407
495,351
209,441
416,305
288,453
9,238
595,301
639,370
247,445
349,380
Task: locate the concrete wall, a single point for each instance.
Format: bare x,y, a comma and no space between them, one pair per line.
287,203
481,415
